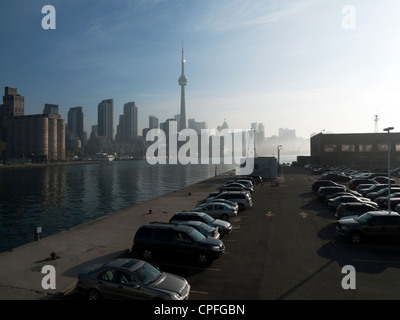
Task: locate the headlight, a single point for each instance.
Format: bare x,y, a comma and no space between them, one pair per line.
216,248
175,296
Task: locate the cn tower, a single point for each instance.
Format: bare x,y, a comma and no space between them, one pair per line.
183,81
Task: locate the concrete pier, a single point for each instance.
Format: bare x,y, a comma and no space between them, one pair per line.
93,242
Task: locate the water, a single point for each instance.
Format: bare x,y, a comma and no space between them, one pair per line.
59,197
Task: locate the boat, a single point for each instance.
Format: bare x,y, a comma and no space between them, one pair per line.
103,156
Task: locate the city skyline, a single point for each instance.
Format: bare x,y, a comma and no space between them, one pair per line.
291,64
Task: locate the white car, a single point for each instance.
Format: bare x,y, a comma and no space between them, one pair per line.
218,210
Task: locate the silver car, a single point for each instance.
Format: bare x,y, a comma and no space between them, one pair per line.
204,229
131,279
218,210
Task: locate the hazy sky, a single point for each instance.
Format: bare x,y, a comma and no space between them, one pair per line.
288,64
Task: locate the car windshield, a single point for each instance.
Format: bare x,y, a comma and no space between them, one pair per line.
208,219
196,235
206,227
147,274
363,219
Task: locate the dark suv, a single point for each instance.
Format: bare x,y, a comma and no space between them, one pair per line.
370,224
164,239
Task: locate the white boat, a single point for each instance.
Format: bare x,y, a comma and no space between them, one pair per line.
103,156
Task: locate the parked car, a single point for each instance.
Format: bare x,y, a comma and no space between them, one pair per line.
323,183
243,199
354,209
130,279
218,210
326,191
355,182
335,202
249,184
382,192
336,177
343,193
235,186
203,228
174,240
379,224
382,201
228,202
383,179
224,227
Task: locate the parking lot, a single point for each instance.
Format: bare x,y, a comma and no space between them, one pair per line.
286,247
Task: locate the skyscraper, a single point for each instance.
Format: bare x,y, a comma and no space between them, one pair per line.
75,126
182,82
105,118
128,123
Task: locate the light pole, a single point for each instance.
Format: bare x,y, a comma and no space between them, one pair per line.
279,154
388,131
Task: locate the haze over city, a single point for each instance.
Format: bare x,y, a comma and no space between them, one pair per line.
286,64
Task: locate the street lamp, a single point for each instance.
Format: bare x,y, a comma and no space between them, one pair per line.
279,154
388,131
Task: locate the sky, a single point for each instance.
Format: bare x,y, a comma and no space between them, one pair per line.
308,65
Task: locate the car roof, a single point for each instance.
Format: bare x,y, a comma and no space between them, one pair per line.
129,264
164,225
383,213
190,213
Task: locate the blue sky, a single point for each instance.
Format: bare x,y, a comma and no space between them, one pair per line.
287,64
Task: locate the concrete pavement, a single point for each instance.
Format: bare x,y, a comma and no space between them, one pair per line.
97,241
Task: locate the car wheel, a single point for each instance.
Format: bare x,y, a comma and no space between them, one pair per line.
94,294
355,237
225,217
202,258
147,254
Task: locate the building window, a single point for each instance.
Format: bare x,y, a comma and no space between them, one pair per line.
348,147
365,147
382,147
330,148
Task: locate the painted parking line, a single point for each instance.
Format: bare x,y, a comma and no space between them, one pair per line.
199,292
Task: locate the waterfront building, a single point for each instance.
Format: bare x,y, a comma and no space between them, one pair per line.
183,81
355,149
105,119
39,136
13,103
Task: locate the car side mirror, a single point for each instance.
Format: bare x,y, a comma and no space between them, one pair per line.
136,286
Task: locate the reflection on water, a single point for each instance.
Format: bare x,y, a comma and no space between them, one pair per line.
59,197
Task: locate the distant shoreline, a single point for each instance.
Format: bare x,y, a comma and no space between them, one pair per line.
41,165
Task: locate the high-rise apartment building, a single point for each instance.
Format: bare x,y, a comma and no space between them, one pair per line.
105,118
127,130
13,103
153,122
75,132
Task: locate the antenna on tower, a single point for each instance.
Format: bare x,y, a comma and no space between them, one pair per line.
376,119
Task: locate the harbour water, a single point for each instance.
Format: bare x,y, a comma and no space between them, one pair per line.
59,197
